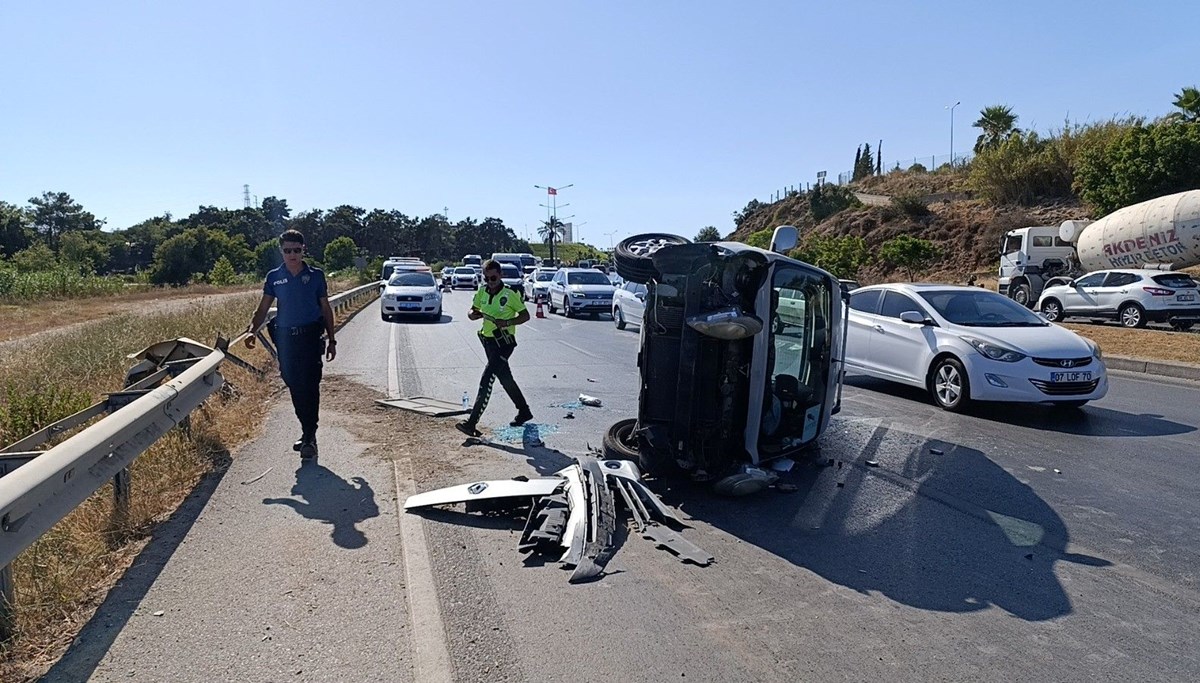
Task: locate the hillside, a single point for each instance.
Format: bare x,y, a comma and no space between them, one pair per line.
966,230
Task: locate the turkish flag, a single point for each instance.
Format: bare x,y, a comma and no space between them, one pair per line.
551,190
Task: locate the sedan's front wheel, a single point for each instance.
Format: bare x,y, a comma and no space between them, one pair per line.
620,319
949,386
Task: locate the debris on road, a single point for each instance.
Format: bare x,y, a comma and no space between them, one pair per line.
937,451
159,613
573,513
251,481
589,400
783,465
872,463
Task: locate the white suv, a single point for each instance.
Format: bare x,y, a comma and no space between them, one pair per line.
1133,297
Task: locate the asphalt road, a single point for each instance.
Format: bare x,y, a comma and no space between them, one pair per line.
1010,543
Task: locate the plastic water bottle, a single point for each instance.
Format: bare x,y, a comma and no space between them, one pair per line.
466,400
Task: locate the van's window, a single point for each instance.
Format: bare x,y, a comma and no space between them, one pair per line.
1011,244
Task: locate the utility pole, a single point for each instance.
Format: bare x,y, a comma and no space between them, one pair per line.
951,108
552,211
610,240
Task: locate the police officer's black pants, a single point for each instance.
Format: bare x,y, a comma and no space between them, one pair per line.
498,351
300,365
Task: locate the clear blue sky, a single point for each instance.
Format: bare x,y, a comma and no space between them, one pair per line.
665,115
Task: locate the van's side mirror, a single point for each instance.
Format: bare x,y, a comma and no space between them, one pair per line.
784,239
914,318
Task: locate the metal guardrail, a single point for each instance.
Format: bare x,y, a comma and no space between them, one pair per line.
39,488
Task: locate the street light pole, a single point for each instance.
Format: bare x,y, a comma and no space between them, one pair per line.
552,210
951,108
610,241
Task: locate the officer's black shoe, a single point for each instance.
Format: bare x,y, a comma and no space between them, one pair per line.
523,415
308,448
299,444
468,429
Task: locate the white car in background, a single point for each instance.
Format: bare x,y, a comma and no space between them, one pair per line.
411,293
464,276
629,304
580,290
966,343
512,278
537,283
1132,297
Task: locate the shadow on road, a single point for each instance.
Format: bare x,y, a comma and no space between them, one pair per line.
332,500
946,531
420,319
1090,420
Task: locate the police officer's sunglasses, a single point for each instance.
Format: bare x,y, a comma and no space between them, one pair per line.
492,278
293,250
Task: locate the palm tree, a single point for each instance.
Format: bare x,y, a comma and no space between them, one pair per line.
551,228
708,233
1188,103
997,123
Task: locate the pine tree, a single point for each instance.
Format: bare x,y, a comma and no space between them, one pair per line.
879,159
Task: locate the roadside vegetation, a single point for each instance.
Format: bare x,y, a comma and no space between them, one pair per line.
63,577
955,214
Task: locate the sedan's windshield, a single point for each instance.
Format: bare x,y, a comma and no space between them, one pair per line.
508,272
464,271
981,309
592,278
543,277
412,280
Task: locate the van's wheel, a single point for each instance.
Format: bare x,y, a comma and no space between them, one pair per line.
633,255
1132,315
1052,310
1022,295
620,442
949,386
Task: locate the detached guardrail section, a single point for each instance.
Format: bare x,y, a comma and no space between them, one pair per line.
39,488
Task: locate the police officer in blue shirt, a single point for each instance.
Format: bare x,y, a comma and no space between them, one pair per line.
303,314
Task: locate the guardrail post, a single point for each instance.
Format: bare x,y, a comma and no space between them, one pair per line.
8,596
120,517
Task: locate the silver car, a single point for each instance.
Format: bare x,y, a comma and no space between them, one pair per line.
629,304
1132,297
581,290
537,284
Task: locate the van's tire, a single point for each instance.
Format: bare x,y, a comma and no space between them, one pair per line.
620,443
633,255
1052,310
1131,315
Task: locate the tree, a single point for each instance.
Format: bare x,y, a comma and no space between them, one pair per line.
340,253
826,200
1139,163
222,273
87,251
1188,103
35,259
55,213
15,230
551,231
267,257
175,260
997,122
752,207
910,253
864,164
708,234
275,211
879,159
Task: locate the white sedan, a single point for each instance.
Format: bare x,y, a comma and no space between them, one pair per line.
411,294
967,343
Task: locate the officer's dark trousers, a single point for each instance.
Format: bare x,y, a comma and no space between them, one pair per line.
498,351
300,351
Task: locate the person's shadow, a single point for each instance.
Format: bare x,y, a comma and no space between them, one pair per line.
332,500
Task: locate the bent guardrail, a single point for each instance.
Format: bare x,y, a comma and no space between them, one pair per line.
39,488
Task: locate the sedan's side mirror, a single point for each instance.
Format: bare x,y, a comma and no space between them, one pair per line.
914,318
640,296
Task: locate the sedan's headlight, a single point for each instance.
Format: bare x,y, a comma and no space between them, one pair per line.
994,351
1096,353
429,296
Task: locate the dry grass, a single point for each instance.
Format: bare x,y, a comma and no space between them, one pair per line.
1114,340
64,577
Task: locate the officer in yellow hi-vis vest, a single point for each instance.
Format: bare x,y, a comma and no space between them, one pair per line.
501,309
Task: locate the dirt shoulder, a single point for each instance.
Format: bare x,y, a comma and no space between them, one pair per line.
1146,344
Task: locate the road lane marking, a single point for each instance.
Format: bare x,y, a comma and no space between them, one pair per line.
393,369
586,353
431,657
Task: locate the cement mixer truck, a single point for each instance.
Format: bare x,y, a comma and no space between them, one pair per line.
1159,234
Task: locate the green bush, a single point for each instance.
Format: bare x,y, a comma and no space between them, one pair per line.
27,409
1021,169
843,256
826,200
910,205
34,259
1137,163
918,168
60,283
760,239
910,253
340,253
222,273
